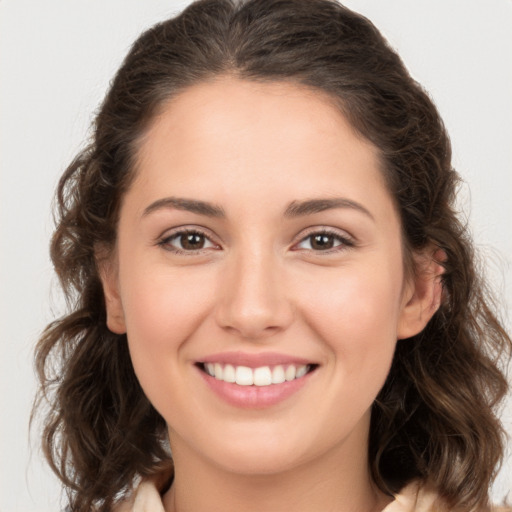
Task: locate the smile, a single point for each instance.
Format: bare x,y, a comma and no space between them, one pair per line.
260,376
255,380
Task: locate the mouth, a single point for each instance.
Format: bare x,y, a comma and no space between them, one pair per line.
258,377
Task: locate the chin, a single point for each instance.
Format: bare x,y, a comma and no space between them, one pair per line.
258,462
264,451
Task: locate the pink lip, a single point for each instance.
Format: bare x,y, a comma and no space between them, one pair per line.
253,397
254,360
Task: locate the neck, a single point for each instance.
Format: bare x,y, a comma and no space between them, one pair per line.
337,480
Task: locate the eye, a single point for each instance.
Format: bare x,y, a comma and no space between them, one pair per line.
324,241
187,241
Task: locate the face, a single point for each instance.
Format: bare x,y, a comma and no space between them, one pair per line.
259,276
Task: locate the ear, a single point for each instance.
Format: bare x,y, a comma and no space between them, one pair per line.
422,294
109,276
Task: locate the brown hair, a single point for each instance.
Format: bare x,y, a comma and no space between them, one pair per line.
434,417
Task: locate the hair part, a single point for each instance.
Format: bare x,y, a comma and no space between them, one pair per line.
434,418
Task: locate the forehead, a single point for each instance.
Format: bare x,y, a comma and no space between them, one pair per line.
230,136
231,106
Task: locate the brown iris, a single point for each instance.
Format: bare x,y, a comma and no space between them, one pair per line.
192,241
321,242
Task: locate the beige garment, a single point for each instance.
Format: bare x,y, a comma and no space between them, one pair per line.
413,498
145,499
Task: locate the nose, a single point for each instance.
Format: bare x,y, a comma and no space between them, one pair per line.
252,300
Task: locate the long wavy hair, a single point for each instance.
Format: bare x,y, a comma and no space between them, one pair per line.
435,417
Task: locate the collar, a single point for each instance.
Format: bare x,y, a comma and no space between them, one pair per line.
415,497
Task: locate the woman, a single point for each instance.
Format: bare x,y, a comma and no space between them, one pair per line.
274,304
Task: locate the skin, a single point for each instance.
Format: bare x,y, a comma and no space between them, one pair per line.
258,285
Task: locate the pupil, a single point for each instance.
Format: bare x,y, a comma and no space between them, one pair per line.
192,241
322,242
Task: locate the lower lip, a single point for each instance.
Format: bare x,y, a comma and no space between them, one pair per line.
254,397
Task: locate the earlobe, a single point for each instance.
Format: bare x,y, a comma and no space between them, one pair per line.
108,272
423,295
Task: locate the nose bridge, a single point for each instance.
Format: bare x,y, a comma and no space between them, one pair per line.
254,303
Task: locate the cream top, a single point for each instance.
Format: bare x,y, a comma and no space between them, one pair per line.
413,498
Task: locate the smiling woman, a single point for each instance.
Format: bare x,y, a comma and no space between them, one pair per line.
276,300
275,305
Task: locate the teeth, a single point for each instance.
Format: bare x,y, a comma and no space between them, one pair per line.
229,373
243,376
278,375
290,373
301,371
219,373
262,376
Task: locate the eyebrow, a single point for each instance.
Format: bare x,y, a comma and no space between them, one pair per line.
309,207
294,209
190,205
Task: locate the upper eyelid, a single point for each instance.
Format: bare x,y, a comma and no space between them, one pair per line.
166,240
302,235
172,232
347,241
341,233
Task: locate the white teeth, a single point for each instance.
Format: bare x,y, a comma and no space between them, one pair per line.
219,373
278,375
229,373
262,376
290,373
210,369
244,376
301,371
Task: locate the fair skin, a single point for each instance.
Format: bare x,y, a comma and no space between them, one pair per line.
268,276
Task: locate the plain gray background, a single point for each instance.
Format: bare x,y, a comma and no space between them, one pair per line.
57,57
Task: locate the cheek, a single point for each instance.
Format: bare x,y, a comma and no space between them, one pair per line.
356,319
356,301
355,313
162,310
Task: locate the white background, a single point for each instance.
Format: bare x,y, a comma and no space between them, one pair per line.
57,57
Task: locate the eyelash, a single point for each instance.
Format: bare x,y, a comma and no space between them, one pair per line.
345,242
165,242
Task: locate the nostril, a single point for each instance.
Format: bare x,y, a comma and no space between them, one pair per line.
253,307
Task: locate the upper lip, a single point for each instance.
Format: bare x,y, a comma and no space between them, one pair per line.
254,360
